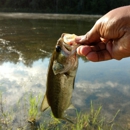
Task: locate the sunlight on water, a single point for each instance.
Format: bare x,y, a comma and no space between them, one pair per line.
16,79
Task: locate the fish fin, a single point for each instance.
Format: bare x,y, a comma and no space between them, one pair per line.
71,106
66,119
73,82
44,104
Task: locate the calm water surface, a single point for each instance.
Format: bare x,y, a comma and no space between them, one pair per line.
25,48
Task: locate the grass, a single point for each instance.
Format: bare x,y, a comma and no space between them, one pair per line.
89,121
6,118
33,107
92,120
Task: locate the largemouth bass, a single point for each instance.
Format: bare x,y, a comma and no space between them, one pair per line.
61,76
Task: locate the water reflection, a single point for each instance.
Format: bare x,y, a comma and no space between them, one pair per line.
17,79
23,39
105,83
25,49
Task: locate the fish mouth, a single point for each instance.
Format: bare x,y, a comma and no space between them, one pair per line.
70,46
70,49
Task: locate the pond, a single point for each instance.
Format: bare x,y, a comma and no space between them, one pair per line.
26,44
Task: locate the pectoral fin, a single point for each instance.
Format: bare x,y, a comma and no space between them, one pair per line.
44,104
66,119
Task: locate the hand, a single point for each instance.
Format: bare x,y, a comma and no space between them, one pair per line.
109,38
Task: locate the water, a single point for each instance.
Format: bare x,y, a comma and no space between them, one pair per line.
26,45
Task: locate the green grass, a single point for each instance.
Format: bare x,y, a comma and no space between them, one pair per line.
33,107
6,117
91,120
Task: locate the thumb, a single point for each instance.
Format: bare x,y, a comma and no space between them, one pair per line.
81,39
92,36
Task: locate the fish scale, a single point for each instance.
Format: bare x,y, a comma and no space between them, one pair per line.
61,76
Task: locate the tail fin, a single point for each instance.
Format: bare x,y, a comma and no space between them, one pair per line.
68,120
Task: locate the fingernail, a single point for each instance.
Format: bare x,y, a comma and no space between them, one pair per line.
78,39
77,49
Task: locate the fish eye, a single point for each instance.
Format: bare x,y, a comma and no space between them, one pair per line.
58,48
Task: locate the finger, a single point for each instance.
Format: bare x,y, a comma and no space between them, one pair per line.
81,39
98,56
119,48
94,53
99,46
84,50
93,36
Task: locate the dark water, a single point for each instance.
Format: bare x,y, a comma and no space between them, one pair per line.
25,48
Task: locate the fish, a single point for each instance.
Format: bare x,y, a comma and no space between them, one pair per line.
61,76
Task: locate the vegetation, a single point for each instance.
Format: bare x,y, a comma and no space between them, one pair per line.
92,120
33,108
6,118
62,6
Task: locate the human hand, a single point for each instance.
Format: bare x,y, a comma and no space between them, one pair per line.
109,38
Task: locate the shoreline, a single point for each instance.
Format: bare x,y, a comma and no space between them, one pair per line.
48,16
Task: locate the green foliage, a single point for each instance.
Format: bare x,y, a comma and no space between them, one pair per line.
6,118
92,120
34,108
63,6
